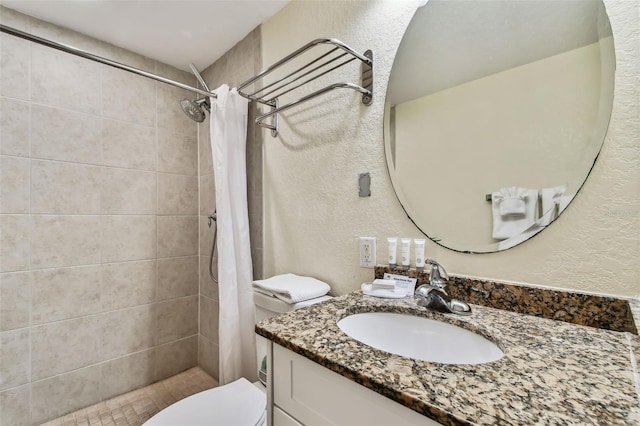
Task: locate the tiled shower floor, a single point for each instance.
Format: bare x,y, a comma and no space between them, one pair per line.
135,407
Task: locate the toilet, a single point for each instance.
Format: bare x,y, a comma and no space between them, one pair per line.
238,403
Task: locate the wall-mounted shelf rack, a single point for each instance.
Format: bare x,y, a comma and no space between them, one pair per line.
338,56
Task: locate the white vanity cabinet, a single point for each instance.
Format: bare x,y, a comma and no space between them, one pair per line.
301,392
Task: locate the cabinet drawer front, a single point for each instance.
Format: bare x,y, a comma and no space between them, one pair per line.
280,418
315,395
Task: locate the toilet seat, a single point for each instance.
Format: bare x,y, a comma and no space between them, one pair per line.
237,403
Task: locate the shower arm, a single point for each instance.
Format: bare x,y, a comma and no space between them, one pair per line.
81,53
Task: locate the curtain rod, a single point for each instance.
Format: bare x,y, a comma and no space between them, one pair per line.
81,53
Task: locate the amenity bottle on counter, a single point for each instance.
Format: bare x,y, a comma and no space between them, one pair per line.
406,252
419,253
393,249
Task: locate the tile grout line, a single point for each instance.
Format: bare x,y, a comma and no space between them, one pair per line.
29,68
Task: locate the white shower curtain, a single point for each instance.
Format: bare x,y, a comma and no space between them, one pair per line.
235,274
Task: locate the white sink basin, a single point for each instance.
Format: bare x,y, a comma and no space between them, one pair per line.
420,338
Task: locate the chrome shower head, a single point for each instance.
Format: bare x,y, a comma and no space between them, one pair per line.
194,109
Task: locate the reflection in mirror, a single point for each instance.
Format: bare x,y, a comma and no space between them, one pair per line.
495,114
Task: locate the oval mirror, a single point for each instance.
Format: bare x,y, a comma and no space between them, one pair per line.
495,114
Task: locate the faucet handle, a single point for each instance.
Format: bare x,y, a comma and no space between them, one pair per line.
438,277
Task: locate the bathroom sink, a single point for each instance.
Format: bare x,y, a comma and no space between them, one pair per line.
420,338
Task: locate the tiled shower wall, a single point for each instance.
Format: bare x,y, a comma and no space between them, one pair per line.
99,226
240,63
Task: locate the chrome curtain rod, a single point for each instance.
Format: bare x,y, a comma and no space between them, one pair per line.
81,53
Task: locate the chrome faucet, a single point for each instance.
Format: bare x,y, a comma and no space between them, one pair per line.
434,295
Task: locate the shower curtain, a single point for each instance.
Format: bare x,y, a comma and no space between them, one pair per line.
235,274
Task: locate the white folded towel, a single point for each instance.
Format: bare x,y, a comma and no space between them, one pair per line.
509,225
550,200
292,288
511,200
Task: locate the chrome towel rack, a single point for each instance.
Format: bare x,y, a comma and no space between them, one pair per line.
338,56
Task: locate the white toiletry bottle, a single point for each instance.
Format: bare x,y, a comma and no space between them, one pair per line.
406,252
393,249
419,253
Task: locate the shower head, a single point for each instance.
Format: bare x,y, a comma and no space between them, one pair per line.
195,109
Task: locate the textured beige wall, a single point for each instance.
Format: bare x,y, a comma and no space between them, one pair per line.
313,215
99,227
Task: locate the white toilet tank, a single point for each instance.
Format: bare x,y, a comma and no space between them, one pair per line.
267,307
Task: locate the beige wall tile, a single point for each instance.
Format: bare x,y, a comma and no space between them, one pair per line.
177,277
128,330
128,238
65,81
206,235
254,169
176,357
170,115
128,97
63,135
257,260
14,353
128,284
208,356
176,319
64,241
14,300
207,195
81,41
59,294
14,184
215,74
130,58
177,236
240,60
127,373
208,288
14,67
175,74
128,192
209,318
15,406
14,127
66,36
255,221
62,346
63,394
177,153
14,243
204,149
128,145
65,188
177,194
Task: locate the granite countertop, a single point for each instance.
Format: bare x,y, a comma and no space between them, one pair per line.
552,373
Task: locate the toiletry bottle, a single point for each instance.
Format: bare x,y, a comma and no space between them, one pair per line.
406,252
393,248
419,253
